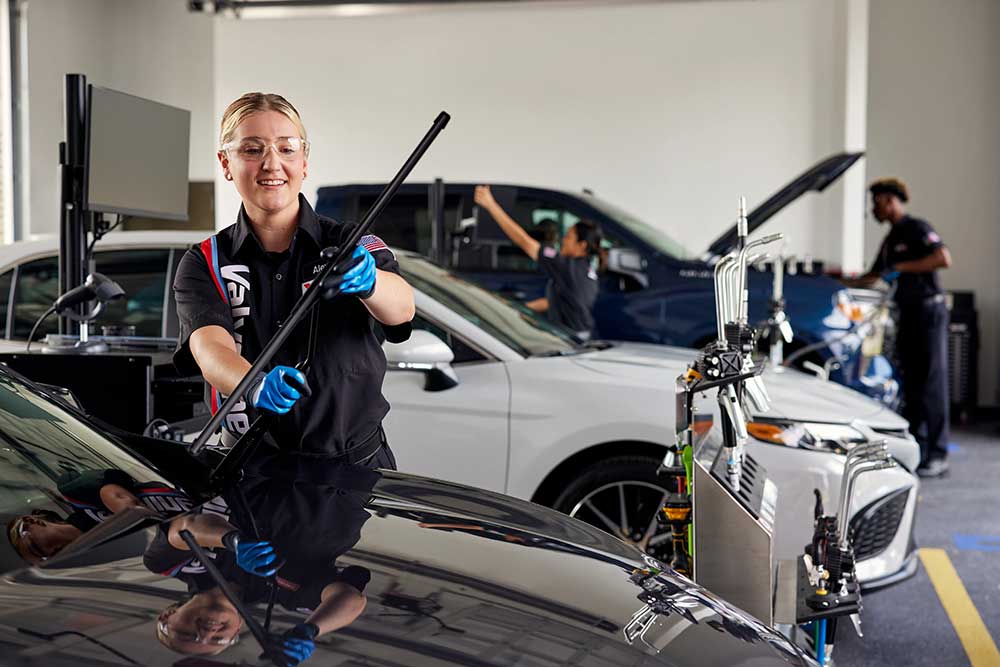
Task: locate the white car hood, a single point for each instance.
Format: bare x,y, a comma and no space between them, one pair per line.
794,395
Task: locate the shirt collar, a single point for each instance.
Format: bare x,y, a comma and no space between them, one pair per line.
308,222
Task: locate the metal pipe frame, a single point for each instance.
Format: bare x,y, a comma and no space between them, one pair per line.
868,466
870,451
867,451
720,321
731,280
743,292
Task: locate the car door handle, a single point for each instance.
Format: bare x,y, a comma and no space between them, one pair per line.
513,293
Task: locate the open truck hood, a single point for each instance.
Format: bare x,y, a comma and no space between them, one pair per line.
817,178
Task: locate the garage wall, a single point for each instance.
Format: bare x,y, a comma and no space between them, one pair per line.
932,120
671,110
150,48
60,41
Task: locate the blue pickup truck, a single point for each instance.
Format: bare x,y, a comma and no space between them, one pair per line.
657,293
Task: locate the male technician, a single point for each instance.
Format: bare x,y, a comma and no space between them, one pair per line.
910,256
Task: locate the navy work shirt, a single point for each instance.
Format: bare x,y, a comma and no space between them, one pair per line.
229,280
910,239
571,289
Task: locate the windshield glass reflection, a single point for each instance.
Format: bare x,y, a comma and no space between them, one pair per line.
655,237
60,478
509,322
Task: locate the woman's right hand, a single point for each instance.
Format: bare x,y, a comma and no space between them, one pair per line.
484,197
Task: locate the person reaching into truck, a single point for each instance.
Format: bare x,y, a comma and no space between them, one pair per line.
572,284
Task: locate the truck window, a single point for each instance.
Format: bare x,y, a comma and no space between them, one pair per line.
544,221
404,223
37,287
142,273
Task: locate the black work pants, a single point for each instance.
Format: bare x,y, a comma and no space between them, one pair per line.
923,356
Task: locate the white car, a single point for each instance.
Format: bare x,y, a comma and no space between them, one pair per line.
487,394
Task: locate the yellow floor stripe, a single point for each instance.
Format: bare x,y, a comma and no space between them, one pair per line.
964,617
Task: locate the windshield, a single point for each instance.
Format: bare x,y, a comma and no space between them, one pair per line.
509,322
651,235
59,477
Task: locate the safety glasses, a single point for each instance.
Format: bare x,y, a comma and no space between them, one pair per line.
288,149
194,637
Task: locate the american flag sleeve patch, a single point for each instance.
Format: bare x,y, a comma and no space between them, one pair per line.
373,243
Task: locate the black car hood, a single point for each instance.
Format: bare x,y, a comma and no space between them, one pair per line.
458,576
817,178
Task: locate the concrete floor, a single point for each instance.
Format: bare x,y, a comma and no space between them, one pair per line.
960,513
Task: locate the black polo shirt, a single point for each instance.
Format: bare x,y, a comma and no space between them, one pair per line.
571,290
229,280
309,523
910,239
82,490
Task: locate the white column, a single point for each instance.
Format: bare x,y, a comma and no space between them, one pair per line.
852,224
7,193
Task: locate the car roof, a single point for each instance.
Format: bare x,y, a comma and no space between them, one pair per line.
48,244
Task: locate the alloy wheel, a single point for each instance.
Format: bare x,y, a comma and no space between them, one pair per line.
628,510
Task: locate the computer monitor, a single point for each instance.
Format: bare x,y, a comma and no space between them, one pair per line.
137,156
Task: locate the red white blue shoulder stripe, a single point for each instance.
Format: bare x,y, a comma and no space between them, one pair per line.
210,250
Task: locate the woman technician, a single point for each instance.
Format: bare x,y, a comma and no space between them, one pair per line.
234,290
572,286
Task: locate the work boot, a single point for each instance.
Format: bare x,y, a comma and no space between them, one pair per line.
933,468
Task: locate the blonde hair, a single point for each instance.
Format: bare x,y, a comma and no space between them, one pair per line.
251,103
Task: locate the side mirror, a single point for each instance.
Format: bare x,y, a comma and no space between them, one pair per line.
425,353
628,262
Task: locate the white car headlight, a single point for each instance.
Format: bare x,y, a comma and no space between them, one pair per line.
820,437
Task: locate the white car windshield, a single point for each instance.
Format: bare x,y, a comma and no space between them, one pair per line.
651,235
508,321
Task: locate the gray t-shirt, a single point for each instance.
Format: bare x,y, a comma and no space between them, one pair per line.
571,290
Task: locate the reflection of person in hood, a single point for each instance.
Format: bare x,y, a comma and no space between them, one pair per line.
308,524
94,496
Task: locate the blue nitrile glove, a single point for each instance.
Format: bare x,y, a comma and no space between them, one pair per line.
278,390
295,646
356,277
890,275
253,556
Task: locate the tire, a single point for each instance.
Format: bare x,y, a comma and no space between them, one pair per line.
594,496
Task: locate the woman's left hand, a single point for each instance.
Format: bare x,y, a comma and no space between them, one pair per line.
359,279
